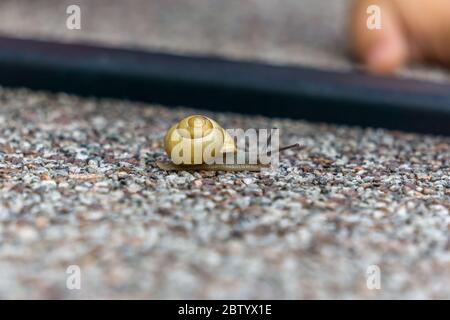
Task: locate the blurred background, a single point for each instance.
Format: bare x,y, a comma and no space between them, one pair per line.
305,32
280,31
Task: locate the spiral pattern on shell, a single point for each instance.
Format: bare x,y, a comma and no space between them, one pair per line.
197,139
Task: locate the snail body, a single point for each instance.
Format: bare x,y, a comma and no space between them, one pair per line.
197,141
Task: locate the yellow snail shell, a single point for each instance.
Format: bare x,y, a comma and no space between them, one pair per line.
197,140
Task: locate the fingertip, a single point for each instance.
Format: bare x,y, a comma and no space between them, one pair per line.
382,50
385,57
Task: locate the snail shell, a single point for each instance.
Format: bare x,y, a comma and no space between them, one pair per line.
197,140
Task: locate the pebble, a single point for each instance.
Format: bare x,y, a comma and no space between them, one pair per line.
27,233
248,180
198,183
133,188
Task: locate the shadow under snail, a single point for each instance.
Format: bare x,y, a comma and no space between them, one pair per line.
200,143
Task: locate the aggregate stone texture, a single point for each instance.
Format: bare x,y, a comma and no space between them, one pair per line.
79,186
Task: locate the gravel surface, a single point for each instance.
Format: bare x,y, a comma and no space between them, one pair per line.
79,186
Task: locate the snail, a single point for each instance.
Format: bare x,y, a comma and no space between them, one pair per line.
200,143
